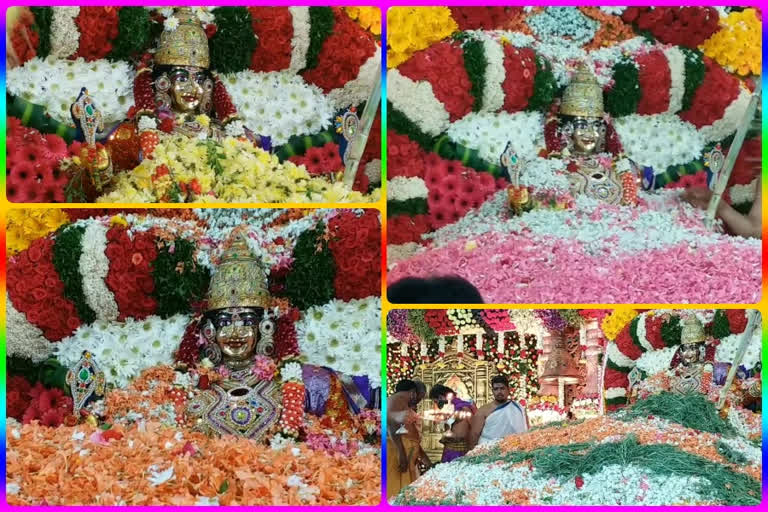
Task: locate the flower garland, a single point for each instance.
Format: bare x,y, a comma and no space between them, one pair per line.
355,242
563,22
67,251
682,26
50,83
98,27
273,27
614,323
737,45
124,350
342,55
406,34
292,417
24,38
23,226
279,104
24,339
345,336
32,160
37,292
490,133
659,141
368,17
181,169
130,272
324,160
94,268
443,67
64,32
464,321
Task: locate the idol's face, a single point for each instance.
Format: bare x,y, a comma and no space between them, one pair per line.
587,135
500,392
188,84
237,332
689,354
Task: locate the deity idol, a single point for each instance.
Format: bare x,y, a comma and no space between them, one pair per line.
177,94
692,372
238,329
582,136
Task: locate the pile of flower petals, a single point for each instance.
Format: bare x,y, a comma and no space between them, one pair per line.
496,482
64,466
656,252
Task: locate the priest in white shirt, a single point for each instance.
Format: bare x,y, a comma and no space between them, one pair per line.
500,418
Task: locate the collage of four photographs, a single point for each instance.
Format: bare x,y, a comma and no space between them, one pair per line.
492,255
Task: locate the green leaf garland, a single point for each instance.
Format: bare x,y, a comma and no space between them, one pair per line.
694,74
234,42
321,21
310,281
399,122
179,280
475,64
623,99
544,87
409,207
420,327
672,331
134,33
43,21
67,248
721,327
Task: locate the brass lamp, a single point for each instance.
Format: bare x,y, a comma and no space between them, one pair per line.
560,366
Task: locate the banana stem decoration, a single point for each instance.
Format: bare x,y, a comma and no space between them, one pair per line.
357,136
721,176
753,322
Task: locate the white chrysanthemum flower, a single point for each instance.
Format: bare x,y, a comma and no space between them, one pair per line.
171,23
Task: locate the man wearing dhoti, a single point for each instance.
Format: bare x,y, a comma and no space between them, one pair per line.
500,418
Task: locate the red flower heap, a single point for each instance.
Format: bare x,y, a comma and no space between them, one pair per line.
454,189
17,396
497,319
402,229
442,65
36,290
321,161
718,90
130,272
655,81
484,18
438,320
683,26
32,160
342,54
24,37
355,243
520,68
404,157
98,26
293,408
286,340
274,28
48,406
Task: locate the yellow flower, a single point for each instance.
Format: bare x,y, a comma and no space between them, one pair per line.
616,321
27,225
245,174
737,46
411,29
204,120
118,220
368,17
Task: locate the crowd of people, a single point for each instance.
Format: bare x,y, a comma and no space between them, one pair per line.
466,426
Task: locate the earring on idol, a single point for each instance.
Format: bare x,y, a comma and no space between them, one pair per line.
207,100
162,86
212,351
266,345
